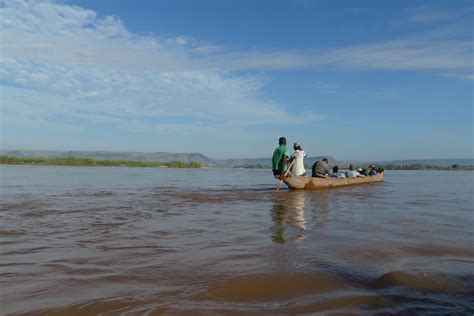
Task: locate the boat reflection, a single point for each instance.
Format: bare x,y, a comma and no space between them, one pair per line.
288,217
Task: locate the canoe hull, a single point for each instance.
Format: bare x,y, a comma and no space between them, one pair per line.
308,183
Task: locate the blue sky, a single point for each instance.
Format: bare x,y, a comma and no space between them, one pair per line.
362,80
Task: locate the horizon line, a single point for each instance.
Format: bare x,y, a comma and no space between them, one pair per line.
235,158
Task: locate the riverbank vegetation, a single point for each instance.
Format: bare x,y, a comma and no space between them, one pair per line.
419,166
454,167
87,162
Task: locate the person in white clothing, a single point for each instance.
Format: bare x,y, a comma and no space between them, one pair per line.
298,160
337,174
353,173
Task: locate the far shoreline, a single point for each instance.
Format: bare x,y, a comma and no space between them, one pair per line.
390,168
88,162
175,164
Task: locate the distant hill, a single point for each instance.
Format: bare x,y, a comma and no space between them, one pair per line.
262,162
112,155
432,162
267,162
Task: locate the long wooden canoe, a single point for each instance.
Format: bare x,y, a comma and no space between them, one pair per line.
309,183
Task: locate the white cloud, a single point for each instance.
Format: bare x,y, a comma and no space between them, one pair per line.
175,96
62,60
71,35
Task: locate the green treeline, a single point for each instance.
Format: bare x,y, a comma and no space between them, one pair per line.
419,166
88,162
250,166
454,167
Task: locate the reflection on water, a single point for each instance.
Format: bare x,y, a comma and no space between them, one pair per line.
288,213
85,241
288,217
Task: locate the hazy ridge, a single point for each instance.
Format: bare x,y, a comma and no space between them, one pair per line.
198,157
264,162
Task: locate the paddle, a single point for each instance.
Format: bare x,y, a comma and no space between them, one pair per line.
281,181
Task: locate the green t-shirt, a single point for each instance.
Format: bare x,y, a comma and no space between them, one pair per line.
278,155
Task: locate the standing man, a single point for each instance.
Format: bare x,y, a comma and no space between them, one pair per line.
280,158
299,155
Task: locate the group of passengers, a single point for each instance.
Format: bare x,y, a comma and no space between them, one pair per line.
282,160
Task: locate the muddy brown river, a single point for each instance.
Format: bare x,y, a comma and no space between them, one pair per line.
150,241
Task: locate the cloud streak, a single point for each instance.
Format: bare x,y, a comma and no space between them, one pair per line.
431,14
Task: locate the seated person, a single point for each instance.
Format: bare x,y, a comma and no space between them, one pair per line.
372,170
321,169
353,173
336,173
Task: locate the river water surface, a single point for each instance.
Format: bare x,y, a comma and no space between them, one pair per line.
150,241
